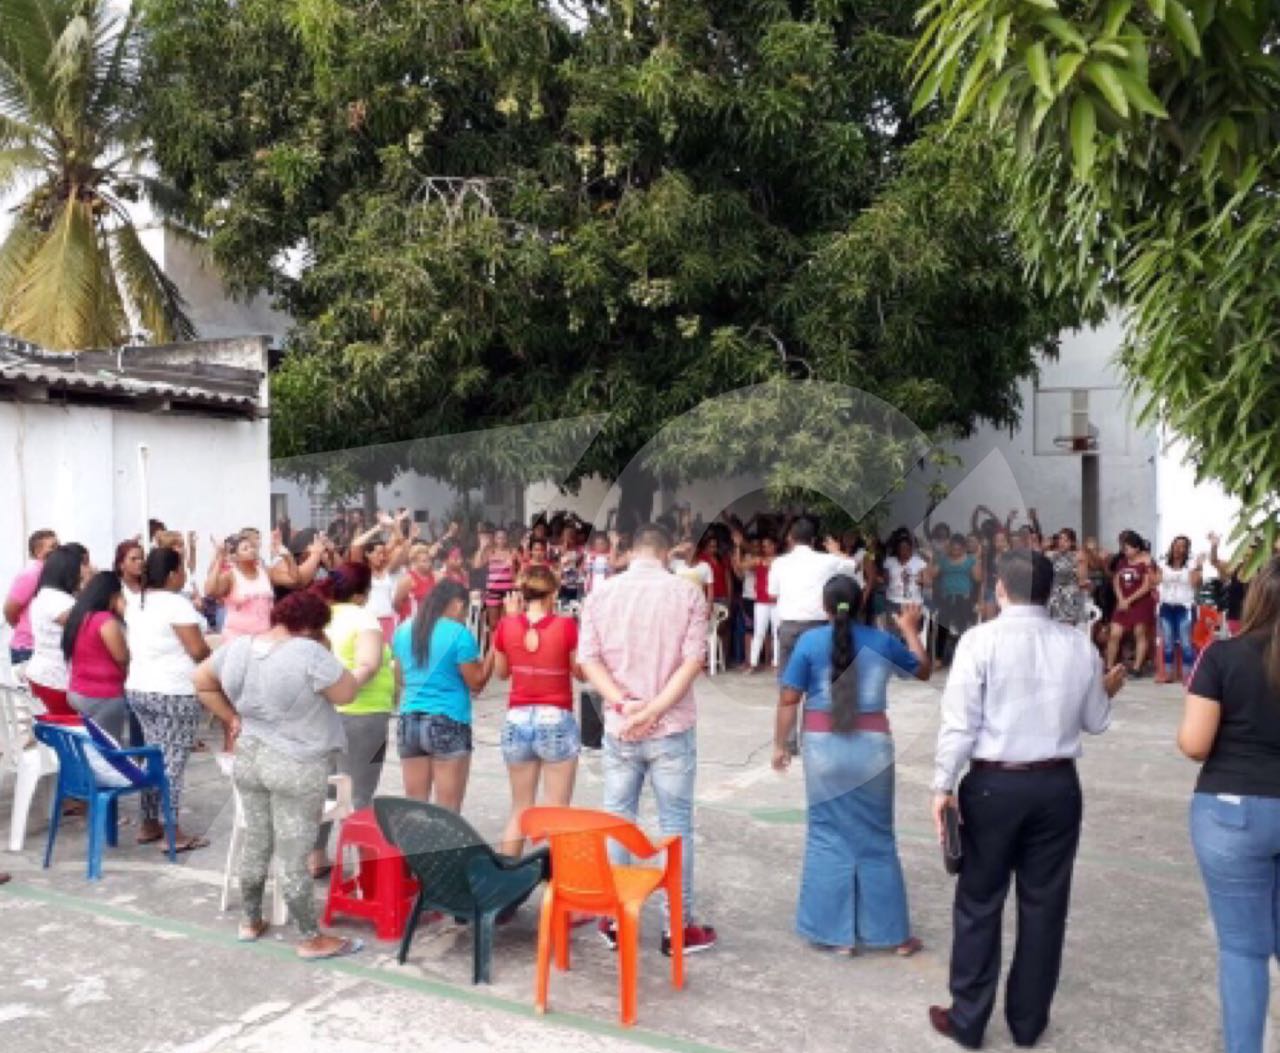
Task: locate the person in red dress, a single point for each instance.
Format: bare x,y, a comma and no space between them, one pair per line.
1134,580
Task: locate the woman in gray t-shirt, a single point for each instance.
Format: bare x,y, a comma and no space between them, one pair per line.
276,693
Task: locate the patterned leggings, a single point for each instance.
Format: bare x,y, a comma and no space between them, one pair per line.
170,722
283,799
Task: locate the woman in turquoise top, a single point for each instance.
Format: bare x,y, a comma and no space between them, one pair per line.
438,666
852,892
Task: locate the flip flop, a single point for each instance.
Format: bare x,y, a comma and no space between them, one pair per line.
345,949
189,845
909,949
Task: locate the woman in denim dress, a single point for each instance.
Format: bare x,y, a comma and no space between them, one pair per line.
852,890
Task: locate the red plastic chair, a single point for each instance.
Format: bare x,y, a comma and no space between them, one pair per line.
382,889
584,881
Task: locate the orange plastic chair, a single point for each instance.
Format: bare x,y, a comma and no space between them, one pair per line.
583,880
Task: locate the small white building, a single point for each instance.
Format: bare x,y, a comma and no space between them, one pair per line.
93,444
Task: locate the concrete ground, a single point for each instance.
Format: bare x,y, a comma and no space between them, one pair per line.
144,961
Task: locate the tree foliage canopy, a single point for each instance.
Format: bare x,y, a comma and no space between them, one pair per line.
511,212
1141,147
72,265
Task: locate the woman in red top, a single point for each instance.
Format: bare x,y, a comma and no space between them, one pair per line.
1134,580
766,620
417,582
537,650
97,653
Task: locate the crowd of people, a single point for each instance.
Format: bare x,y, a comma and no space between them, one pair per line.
310,653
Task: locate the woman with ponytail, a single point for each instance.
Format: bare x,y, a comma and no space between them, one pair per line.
852,892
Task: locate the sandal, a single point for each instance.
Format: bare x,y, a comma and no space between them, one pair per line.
910,949
345,949
189,844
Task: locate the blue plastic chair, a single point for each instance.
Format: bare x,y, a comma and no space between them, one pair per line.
77,781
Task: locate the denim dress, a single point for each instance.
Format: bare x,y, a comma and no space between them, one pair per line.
852,890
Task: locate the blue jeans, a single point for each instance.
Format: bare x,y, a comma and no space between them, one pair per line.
671,765
540,733
852,890
1175,624
1237,843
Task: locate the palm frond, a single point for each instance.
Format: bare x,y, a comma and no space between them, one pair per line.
57,301
16,253
15,132
26,43
116,65
18,163
168,201
152,294
70,69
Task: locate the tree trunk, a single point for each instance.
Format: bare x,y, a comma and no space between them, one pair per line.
635,504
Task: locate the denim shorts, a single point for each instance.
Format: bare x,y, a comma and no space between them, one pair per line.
432,735
543,733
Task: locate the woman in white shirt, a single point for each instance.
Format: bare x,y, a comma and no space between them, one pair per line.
165,644
1179,581
904,575
60,580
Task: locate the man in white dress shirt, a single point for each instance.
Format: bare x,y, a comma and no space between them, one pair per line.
796,581
1022,691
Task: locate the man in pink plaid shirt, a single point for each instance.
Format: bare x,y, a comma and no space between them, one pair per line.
642,643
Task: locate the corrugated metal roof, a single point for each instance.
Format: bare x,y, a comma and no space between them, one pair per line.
26,369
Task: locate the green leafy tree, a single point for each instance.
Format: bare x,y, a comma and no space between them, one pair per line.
515,212
1141,149
72,266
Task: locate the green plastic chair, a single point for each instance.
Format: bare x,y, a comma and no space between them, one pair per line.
457,872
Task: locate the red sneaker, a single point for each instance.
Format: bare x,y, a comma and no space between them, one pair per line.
696,938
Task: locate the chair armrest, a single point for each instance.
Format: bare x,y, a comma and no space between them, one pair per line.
541,857
134,751
633,839
151,754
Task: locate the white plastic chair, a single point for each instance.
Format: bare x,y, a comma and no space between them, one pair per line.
29,761
335,811
715,648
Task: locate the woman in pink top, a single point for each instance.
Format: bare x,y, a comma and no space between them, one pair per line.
245,586
93,641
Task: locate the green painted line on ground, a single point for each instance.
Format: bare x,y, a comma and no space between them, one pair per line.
351,967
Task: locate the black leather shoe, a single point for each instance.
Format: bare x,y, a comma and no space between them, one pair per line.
940,1019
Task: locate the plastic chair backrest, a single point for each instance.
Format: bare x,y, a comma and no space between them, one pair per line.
15,725
437,844
579,839
75,773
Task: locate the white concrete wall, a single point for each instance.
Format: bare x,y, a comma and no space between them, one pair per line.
210,305
1187,507
1051,482
75,469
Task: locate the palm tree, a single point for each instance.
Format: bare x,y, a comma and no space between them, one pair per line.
73,271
